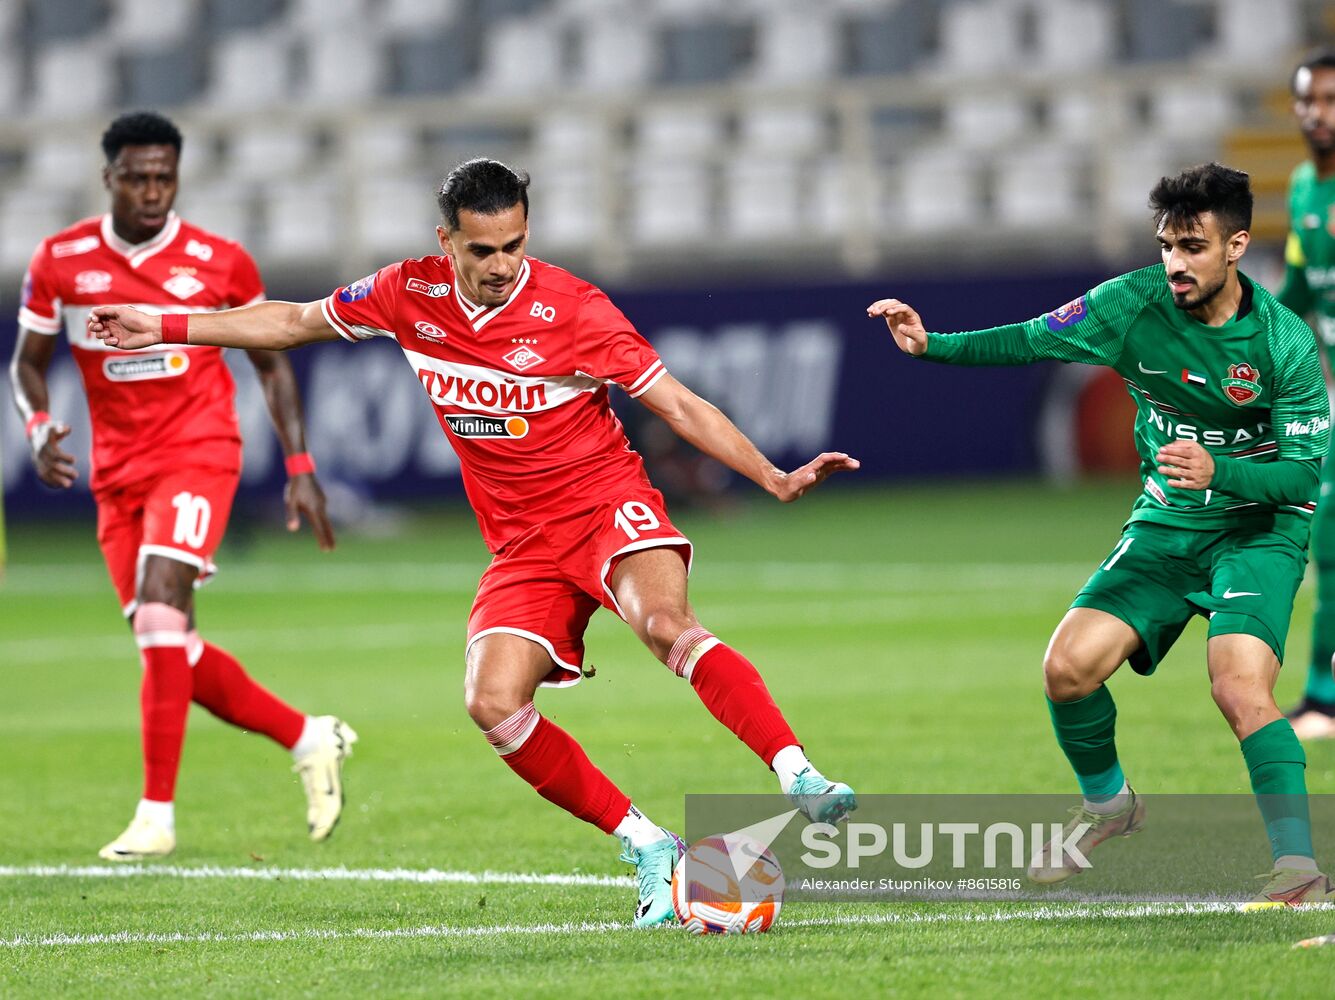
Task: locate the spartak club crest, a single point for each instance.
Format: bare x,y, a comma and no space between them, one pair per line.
1243,384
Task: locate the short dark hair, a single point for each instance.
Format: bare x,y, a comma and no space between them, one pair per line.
481,185
1316,59
1210,187
139,128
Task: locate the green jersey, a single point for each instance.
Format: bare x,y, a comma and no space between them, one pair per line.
1309,255
1251,392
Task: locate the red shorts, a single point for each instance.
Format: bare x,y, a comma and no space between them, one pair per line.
181,515
546,584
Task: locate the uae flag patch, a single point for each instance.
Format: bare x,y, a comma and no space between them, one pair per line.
1194,378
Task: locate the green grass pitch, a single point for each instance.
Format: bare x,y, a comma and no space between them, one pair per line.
902,631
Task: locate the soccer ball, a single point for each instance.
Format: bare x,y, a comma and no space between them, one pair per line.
710,898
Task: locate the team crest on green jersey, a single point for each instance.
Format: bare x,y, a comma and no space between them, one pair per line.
1243,384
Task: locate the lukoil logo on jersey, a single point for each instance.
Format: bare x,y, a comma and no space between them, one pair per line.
1243,384
154,366
92,282
470,425
448,389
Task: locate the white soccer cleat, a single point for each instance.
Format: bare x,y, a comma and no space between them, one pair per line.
143,838
321,773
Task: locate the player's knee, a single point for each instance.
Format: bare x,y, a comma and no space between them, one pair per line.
489,708
1067,676
663,628
1242,701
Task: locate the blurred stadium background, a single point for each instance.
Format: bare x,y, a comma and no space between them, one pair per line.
743,178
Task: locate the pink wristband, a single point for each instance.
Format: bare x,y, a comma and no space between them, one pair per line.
174,326
35,421
300,464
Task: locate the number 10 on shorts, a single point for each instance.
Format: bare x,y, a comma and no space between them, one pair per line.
635,518
192,519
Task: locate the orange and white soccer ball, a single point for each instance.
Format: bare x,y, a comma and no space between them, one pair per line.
709,895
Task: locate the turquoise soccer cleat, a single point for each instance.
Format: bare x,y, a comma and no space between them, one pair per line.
819,799
654,866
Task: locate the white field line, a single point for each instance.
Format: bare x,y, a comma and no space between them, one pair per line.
415,578
1035,913
270,874
447,638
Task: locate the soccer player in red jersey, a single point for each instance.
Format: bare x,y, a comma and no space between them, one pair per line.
517,356
166,459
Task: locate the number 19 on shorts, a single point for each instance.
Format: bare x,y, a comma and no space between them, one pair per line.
635,518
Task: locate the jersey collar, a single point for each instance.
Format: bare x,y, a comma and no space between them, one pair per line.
137,253
480,316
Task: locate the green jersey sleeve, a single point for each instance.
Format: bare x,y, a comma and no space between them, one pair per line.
1295,292
1300,418
1090,330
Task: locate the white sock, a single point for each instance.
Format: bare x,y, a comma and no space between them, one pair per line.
162,813
308,740
1296,862
788,763
1115,804
637,828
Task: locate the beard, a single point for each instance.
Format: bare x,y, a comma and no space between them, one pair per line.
1199,295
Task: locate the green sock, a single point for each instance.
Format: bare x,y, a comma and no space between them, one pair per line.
1276,761
1085,733
1320,681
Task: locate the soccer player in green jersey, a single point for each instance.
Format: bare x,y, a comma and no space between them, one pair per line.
1232,423
1309,290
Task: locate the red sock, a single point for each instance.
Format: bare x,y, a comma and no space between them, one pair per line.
733,691
164,697
225,689
549,759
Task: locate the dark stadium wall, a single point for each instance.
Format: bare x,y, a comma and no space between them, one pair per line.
800,368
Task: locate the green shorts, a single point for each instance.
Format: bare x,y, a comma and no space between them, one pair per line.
1157,577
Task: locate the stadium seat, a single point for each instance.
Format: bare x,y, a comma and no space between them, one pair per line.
251,69
796,44
1160,30
301,219
1125,177
678,130
1038,187
613,53
409,17
241,15
1184,109
521,56
1255,34
341,66
1077,35
61,161
161,78
394,215
701,51
567,203
73,78
670,201
27,217
150,23
63,20
381,144
1086,116
226,207
269,152
939,189
434,63
782,128
763,196
986,119
980,37
884,40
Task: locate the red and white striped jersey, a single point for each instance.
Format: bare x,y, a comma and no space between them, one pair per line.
520,389
153,409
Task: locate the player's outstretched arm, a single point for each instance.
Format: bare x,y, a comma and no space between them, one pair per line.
704,425
270,326
904,323
27,373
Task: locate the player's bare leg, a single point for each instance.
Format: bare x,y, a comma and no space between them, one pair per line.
504,671
650,587
1243,671
1085,650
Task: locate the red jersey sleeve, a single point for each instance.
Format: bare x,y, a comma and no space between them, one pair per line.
365,308
39,300
245,286
612,349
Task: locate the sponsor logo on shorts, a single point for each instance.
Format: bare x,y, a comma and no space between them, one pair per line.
522,358
358,289
426,288
467,425
1243,384
1068,315
72,248
92,282
154,366
429,331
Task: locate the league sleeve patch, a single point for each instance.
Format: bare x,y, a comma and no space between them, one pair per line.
1068,315
358,289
